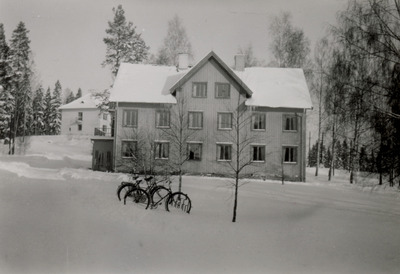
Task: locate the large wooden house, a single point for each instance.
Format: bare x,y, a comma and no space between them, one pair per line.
207,118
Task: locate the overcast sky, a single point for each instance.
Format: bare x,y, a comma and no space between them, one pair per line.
67,35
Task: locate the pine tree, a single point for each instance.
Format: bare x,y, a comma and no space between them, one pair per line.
38,112
345,155
47,112
312,156
123,43
55,114
19,74
363,159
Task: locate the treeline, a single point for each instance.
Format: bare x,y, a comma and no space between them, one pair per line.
367,160
357,82
25,107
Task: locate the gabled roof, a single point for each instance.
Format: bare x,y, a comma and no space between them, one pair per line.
266,87
200,64
144,83
276,87
84,102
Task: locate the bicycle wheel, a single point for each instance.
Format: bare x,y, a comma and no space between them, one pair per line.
178,202
159,195
138,197
123,189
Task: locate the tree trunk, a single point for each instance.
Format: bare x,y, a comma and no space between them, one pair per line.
236,198
332,163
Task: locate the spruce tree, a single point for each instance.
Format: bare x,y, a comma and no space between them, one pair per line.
47,112
123,43
19,73
6,99
38,112
78,94
70,98
55,114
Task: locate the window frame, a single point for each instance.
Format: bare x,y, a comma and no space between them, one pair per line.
124,124
80,116
192,143
198,84
105,116
217,84
159,113
157,151
218,120
253,121
80,127
284,122
252,147
230,146
123,156
202,120
292,150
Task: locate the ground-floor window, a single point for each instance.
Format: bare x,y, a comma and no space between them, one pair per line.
258,153
162,150
128,149
224,152
290,154
194,151
79,127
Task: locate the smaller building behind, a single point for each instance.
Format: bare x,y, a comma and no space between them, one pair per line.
83,117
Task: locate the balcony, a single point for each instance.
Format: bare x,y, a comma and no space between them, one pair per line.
106,132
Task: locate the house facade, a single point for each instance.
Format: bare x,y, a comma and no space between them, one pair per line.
82,117
209,119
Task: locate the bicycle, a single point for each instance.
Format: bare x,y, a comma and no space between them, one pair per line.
178,201
157,194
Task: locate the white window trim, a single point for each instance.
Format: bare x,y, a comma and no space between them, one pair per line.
265,152
297,155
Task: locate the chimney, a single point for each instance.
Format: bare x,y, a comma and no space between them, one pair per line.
183,61
239,62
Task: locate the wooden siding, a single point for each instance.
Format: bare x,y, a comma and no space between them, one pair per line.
273,137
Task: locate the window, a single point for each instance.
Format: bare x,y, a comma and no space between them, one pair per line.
130,118
258,121
162,118
195,119
258,153
162,150
80,116
199,89
194,151
105,116
224,120
224,152
128,149
80,127
222,90
290,154
290,123
104,128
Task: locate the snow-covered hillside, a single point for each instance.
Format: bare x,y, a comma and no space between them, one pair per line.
57,216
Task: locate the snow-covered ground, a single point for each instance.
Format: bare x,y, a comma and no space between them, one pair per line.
57,216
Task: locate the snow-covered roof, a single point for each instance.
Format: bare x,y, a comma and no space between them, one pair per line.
144,83
268,87
84,102
276,87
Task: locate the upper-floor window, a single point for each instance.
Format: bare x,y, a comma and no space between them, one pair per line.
222,90
161,150
79,127
130,118
162,118
258,121
224,152
290,154
194,151
225,120
199,89
290,122
258,153
195,119
105,116
128,149
80,116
